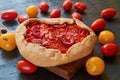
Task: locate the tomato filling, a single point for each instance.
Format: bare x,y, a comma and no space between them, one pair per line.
57,36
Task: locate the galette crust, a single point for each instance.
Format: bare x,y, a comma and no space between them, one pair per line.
43,57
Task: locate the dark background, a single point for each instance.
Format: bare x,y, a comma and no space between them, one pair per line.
8,60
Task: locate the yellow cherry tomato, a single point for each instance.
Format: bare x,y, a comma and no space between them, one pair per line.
95,66
7,41
106,37
32,11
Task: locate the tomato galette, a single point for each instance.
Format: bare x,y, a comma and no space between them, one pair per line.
51,42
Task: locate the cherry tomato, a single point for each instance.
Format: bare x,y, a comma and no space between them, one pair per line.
55,13
95,66
106,37
108,13
76,15
44,6
7,41
109,49
98,24
68,42
26,67
9,15
60,26
67,5
80,6
22,18
32,11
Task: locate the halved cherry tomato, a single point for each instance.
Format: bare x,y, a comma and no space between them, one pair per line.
98,24
106,37
26,67
76,15
32,11
67,42
109,49
9,15
95,66
30,39
108,13
22,18
55,13
60,26
44,6
67,5
36,32
7,41
80,6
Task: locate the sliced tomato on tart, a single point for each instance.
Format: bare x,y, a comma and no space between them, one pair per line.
51,42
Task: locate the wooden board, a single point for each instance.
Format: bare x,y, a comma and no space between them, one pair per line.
67,71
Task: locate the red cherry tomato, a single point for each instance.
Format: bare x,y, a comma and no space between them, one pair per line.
98,24
76,15
109,49
26,67
22,18
68,42
55,13
9,15
80,6
60,26
67,5
44,6
108,13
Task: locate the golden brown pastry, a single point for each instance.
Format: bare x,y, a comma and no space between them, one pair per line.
56,41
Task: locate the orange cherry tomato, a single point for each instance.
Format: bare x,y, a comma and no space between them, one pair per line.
95,66
7,41
106,37
32,11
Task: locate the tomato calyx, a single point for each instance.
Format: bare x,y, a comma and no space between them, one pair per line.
3,31
5,39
